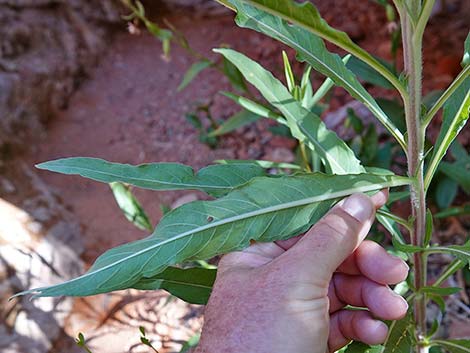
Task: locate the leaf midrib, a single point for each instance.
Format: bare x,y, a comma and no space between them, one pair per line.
398,181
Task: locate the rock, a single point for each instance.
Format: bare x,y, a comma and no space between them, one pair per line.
46,47
35,252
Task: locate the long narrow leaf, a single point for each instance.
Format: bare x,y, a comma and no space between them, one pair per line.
266,209
311,48
242,118
306,16
456,113
454,346
216,180
306,126
192,73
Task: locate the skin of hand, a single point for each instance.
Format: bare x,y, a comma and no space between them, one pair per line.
289,296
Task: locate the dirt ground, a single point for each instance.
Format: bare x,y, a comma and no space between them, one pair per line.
128,111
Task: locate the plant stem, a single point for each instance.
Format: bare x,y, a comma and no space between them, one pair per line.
412,52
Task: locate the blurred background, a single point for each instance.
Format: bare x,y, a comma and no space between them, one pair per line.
82,78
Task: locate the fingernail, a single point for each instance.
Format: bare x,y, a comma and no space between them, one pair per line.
403,300
399,262
359,206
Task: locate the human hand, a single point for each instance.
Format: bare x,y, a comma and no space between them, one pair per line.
289,296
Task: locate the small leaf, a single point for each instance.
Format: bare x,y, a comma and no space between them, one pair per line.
461,252
466,53
191,343
406,248
459,171
454,346
242,118
234,76
304,125
192,73
215,179
400,338
288,72
255,107
367,73
446,191
203,229
359,347
130,206
442,291
453,212
429,228
193,285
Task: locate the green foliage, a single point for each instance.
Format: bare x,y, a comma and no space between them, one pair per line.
304,125
216,179
203,229
129,205
193,71
266,201
193,285
80,341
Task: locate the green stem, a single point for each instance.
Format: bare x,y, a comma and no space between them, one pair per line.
393,217
412,45
447,93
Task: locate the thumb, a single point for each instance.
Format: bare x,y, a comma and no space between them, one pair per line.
332,239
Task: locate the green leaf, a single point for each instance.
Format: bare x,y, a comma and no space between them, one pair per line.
325,87
367,73
400,337
466,53
203,229
359,347
193,285
305,126
429,228
462,252
307,89
454,346
192,72
242,118
446,191
255,107
455,116
215,179
459,171
192,342
453,212
442,291
288,72
130,206
234,76
309,47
